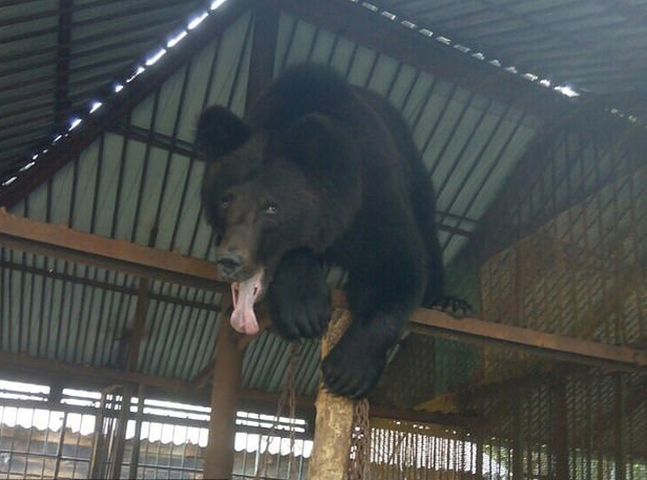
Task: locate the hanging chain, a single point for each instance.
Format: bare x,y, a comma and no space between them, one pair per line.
360,442
288,395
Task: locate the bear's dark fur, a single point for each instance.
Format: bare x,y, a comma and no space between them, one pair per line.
322,172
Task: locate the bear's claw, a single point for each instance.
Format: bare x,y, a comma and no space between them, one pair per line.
350,371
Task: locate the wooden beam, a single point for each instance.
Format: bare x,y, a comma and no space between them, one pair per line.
370,29
62,242
139,325
58,241
116,106
431,322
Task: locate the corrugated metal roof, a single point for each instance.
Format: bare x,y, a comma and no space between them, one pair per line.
106,36
121,187
594,45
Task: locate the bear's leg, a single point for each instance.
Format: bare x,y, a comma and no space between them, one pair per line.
299,298
382,297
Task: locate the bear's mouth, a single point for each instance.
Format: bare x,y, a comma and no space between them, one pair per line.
244,295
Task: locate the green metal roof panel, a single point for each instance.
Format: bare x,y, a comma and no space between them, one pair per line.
107,36
597,46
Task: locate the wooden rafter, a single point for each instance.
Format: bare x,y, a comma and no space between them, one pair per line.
58,241
61,242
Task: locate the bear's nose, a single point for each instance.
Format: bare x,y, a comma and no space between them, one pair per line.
229,263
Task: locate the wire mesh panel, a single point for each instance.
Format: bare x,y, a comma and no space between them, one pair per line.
43,443
67,433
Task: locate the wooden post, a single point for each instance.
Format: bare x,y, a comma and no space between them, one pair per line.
334,421
219,455
139,325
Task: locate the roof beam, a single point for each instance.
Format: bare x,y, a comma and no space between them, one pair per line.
370,29
59,241
62,101
118,105
261,65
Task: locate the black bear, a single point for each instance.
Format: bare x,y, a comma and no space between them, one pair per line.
320,172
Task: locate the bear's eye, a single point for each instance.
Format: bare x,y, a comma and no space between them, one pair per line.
225,201
271,209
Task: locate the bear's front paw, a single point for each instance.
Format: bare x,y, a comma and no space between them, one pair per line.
300,316
352,371
299,298
456,307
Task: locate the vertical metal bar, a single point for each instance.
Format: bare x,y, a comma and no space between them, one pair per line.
11,448
186,443
301,469
29,438
96,459
147,438
619,430
60,445
120,435
517,447
560,428
44,453
76,451
157,452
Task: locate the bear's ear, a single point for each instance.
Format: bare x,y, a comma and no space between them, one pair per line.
219,132
320,146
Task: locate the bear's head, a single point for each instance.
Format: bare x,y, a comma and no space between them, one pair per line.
267,191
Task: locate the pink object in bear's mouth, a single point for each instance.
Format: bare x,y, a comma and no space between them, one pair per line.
244,295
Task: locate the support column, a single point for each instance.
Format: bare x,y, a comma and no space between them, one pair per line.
219,455
334,421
